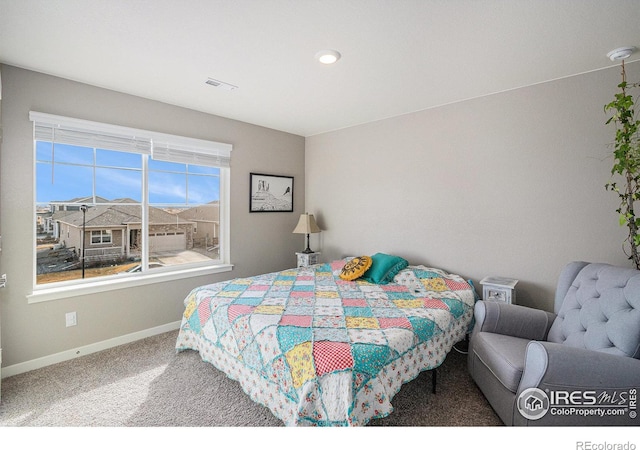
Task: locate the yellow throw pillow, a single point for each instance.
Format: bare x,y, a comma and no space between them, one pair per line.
355,268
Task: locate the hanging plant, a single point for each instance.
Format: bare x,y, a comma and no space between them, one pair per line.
626,163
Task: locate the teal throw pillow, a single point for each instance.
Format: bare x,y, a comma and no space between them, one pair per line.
383,268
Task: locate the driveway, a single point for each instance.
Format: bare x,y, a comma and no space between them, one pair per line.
179,257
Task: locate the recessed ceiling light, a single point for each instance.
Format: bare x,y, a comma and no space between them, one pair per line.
328,56
620,53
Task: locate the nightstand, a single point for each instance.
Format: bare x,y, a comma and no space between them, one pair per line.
307,259
499,289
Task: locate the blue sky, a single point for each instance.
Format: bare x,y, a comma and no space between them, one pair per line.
67,172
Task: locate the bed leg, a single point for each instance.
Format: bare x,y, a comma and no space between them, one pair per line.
434,375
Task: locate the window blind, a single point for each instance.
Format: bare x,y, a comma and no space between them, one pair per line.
163,147
64,130
203,156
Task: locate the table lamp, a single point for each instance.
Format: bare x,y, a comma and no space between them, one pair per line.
307,224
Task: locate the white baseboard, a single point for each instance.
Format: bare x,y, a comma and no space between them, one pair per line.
86,350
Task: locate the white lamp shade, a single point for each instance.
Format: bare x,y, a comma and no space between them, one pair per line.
307,224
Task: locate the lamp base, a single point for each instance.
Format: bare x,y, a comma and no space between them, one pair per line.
307,250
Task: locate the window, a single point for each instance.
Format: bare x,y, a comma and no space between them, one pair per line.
101,237
115,202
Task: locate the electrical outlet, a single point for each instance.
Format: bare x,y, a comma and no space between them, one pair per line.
71,319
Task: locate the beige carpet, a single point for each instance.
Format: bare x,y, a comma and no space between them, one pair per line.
148,384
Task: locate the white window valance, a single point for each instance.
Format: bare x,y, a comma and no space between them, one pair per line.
164,147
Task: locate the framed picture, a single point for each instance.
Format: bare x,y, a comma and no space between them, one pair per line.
270,193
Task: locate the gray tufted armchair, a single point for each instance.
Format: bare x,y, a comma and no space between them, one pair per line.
577,366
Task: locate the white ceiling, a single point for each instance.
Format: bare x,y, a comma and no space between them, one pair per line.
398,56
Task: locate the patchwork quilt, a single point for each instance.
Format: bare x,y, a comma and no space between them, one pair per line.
318,350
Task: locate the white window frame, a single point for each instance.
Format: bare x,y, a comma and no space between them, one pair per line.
171,147
103,234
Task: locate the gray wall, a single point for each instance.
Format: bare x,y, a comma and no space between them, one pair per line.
259,242
510,184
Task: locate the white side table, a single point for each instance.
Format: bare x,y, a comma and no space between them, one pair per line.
307,259
499,289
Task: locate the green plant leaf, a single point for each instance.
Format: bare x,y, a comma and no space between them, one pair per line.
626,155
623,220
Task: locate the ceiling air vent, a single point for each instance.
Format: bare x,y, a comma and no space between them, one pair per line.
221,84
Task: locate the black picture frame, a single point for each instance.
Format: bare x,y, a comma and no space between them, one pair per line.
270,193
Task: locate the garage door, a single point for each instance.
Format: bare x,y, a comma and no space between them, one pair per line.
166,242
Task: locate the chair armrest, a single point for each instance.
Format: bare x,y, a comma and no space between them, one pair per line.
557,366
512,320
583,386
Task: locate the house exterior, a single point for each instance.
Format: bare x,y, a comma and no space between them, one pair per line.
114,231
207,223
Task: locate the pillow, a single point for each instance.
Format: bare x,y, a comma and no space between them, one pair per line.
384,268
355,268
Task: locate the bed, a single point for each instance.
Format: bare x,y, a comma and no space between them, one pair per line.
319,350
